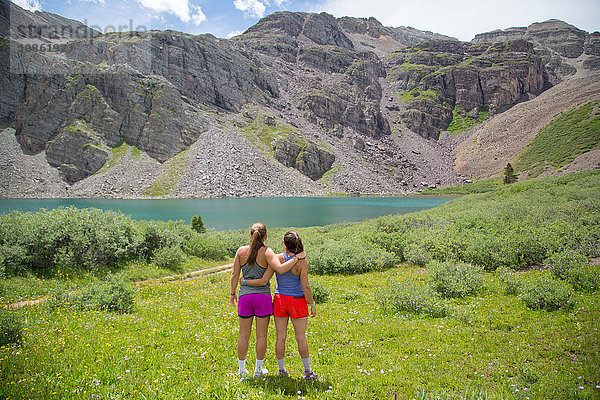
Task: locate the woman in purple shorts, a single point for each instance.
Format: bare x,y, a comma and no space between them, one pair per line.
252,261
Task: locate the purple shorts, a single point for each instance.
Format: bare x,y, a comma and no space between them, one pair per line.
255,305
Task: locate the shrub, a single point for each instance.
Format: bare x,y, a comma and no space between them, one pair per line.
209,247
586,278
115,295
349,256
410,296
415,253
157,235
320,292
453,279
13,260
67,238
547,293
509,280
562,262
11,328
169,257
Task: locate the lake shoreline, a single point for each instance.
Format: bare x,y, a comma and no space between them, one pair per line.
240,213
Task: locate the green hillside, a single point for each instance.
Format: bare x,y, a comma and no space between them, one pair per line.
567,136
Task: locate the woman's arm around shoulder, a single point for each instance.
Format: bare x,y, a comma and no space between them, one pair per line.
259,282
275,263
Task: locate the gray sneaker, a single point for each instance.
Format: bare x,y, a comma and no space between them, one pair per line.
258,374
243,375
308,375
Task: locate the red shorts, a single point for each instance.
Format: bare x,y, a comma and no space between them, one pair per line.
289,306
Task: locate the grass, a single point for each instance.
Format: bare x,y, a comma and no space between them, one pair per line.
180,339
169,178
567,136
461,124
180,343
264,136
31,287
408,96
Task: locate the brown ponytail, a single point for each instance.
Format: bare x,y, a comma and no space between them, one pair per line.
293,242
258,233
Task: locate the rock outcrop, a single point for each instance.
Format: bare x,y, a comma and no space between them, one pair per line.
435,80
306,157
560,45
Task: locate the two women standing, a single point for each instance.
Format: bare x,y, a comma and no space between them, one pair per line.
257,263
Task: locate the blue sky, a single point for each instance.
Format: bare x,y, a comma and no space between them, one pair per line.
223,18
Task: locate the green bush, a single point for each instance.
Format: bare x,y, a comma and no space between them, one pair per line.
562,262
413,297
349,256
169,257
547,293
416,254
157,235
205,246
66,238
11,328
452,279
13,260
320,292
115,295
509,280
585,278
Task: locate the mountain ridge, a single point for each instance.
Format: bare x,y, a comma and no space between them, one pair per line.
338,105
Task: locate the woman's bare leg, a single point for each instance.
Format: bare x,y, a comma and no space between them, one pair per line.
281,324
262,328
300,333
244,337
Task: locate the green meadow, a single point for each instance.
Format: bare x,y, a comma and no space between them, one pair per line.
494,295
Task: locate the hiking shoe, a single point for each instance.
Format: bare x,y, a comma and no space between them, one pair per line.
258,374
310,375
243,375
284,372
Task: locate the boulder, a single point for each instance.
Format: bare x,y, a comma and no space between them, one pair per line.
308,158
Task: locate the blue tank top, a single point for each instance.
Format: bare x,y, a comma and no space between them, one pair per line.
289,284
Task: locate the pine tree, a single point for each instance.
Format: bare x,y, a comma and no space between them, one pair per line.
198,224
509,174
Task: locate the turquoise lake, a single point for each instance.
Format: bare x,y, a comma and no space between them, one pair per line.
239,213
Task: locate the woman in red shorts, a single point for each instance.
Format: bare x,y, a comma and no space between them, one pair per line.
290,301
252,261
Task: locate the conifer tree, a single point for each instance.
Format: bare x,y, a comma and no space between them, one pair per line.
509,174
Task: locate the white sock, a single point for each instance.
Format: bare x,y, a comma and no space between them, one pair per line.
306,363
259,364
281,364
242,365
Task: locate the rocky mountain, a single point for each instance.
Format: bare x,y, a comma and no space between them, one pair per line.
300,104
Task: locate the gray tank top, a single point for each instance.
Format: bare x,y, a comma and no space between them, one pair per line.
254,271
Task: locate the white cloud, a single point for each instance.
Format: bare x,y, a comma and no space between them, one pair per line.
31,5
252,8
199,16
180,8
232,34
94,1
465,18
281,2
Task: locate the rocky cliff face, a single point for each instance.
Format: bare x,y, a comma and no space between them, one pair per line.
562,47
437,81
336,105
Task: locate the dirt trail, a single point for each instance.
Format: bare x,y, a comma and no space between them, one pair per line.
221,269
